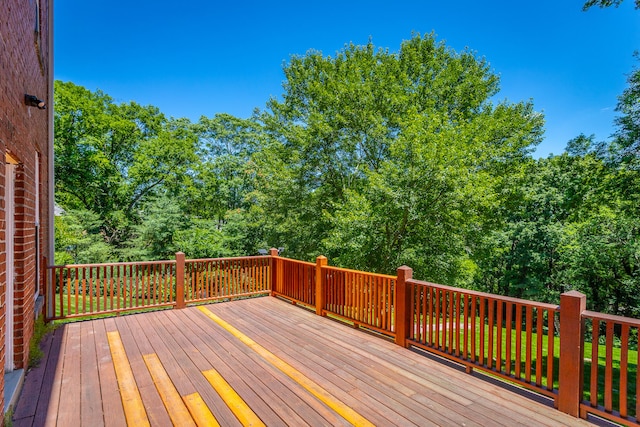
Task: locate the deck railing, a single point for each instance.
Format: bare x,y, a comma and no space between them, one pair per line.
220,278
100,289
611,366
363,299
94,289
585,361
511,338
295,280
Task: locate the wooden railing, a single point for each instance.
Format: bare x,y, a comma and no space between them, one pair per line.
611,388
220,278
94,289
295,280
363,299
586,361
101,289
508,337
359,298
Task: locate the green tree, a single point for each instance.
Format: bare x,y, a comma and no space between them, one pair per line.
379,158
224,176
606,3
78,239
111,157
625,147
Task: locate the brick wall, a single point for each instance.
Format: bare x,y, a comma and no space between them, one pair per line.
24,69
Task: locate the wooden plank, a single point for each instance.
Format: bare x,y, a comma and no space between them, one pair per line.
90,406
252,377
200,411
69,408
131,400
372,376
178,411
153,405
179,351
28,403
458,383
386,396
287,399
311,386
233,400
173,334
449,383
151,339
109,391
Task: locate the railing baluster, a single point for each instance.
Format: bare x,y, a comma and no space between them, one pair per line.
467,327
449,324
457,324
624,366
594,362
474,324
89,290
529,328
499,336
491,322
539,336
550,349
482,301
508,358
518,325
608,370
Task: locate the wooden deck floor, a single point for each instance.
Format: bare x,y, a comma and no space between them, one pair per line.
288,365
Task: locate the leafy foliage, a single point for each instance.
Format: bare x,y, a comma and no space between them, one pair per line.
373,158
606,3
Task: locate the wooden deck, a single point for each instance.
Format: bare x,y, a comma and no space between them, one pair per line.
287,365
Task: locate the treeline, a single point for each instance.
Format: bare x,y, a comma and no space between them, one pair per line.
372,158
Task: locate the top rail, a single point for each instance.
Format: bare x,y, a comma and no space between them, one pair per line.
126,263
621,320
480,294
361,273
297,261
224,259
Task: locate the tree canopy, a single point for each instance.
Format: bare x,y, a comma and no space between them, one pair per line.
373,158
606,3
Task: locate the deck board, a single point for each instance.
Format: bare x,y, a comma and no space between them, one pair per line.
110,394
91,414
286,391
390,390
69,410
373,363
382,382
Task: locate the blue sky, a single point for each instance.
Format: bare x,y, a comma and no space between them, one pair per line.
195,58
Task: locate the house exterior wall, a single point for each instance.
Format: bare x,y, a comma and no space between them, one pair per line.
25,138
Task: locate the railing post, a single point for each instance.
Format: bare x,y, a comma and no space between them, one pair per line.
275,267
401,305
320,262
570,379
50,292
180,280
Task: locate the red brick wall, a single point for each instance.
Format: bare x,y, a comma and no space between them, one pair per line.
24,67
